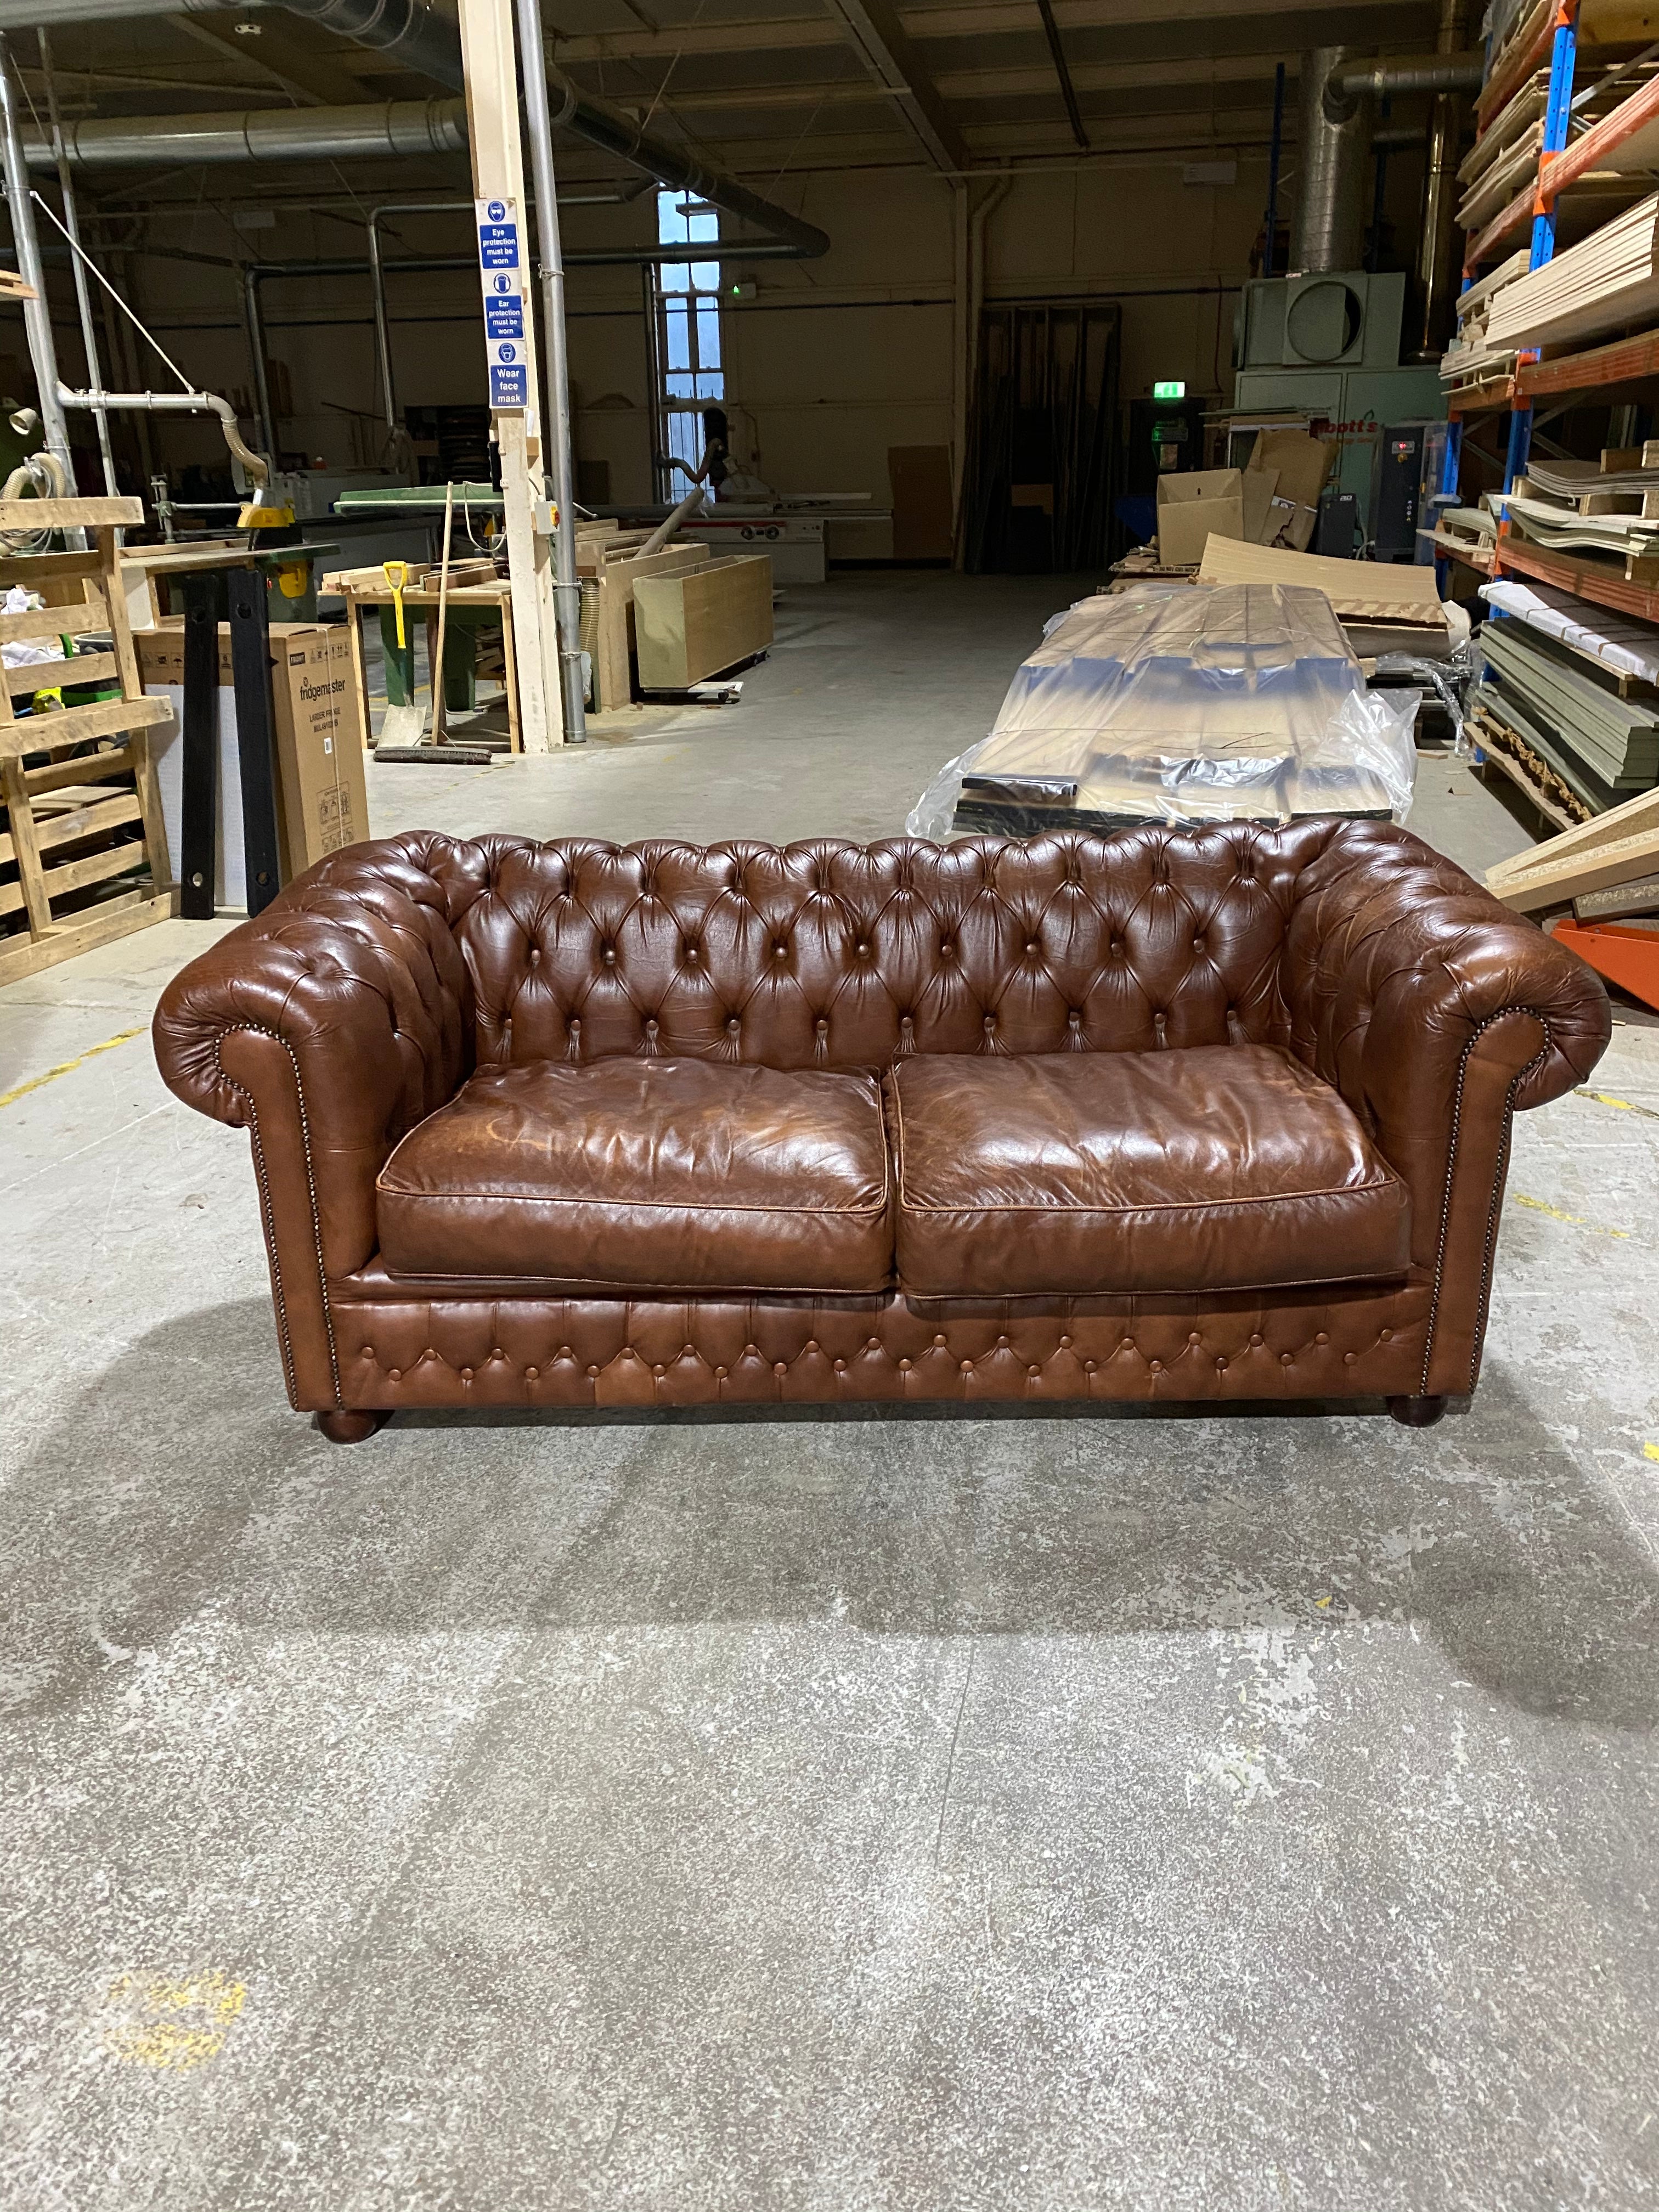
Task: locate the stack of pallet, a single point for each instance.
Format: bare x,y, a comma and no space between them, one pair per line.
83,853
1601,881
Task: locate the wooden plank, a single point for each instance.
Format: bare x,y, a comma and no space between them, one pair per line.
78,726
51,675
89,765
114,917
106,813
359,676
56,620
1571,876
29,567
29,892
1625,360
69,513
93,868
133,682
1638,814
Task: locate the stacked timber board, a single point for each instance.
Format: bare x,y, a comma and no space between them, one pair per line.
1609,282
729,612
83,853
1604,747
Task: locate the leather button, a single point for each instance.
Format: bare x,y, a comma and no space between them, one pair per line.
967,1366
904,1367
719,1375
575,1025
1348,1358
1198,944
750,1350
1076,1019
535,958
466,1374
651,1028
1089,1366
1286,1358
946,950
780,952
1034,946
874,1345
564,1352
394,1374
906,1022
822,1028
1128,1345
1320,1337
1065,1343
1194,1338
990,1021
862,947
938,1341
498,1353
1002,1340
841,1367
1222,1364
610,957
1256,1340
532,1374
1156,1367
733,1026
593,1372
1386,1336
691,954
1034,1371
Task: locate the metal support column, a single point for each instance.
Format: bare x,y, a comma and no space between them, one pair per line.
1270,245
82,291
37,313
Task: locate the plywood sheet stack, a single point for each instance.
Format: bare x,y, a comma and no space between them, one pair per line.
1609,282
1473,360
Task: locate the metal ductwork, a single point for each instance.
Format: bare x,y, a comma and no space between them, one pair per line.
1378,79
424,35
1334,134
262,134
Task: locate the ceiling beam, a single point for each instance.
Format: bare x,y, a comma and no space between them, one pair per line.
982,85
885,48
956,19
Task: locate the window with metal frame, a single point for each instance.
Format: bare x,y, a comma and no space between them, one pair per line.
689,312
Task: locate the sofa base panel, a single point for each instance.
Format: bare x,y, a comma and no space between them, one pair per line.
556,1353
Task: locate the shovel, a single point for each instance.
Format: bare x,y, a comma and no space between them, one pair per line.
404,726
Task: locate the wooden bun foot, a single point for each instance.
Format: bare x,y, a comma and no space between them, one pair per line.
1417,1413
348,1428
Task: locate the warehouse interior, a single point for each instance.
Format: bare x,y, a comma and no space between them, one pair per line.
891,1788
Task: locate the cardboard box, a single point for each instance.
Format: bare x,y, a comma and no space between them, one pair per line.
322,800
1194,506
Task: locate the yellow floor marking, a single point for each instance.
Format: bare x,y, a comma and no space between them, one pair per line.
171,2024
1576,1220
1651,1451
1606,1098
69,1066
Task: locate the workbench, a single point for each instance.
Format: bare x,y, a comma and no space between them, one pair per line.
475,602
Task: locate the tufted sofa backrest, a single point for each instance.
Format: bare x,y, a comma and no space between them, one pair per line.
835,955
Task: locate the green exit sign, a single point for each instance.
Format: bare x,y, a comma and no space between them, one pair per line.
1175,389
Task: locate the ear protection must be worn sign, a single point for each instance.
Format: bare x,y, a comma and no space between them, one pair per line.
502,273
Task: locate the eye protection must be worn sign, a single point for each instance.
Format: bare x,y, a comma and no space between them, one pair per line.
501,264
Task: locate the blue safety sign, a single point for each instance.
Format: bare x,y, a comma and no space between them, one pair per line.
509,385
503,314
498,233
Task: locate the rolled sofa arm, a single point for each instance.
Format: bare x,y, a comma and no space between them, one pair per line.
1435,1013
326,1027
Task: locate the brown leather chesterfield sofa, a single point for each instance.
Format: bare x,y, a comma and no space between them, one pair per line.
1158,1116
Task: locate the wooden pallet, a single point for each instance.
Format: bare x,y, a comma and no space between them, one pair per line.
82,807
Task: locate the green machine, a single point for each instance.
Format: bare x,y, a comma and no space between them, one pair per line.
1326,347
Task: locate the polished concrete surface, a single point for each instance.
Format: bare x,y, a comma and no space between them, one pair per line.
853,1814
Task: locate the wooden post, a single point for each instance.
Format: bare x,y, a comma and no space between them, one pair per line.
492,110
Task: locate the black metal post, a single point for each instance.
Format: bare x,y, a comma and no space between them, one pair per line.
1272,240
199,824
250,673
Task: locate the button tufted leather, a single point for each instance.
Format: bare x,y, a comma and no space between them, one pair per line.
361,1001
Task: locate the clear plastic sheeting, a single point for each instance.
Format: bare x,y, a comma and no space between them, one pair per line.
1221,702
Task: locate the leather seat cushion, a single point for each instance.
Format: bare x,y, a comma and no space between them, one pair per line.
666,1173
1212,1168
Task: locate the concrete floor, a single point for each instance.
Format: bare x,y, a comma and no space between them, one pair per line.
833,1814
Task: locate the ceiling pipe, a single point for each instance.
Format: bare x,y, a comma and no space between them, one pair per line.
424,35
365,131
1334,155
